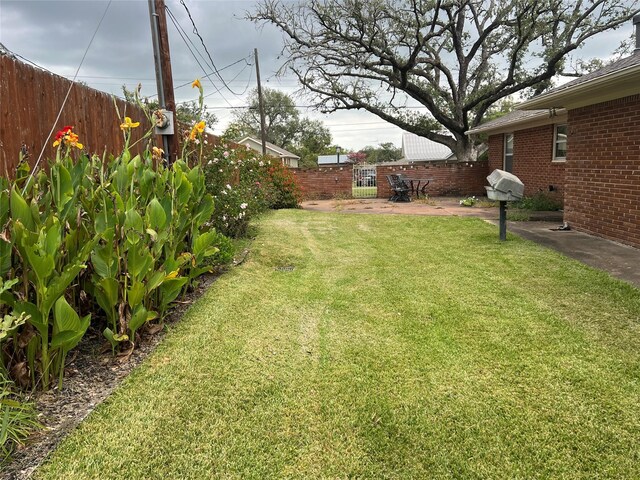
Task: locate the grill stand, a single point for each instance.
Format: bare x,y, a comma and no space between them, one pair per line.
503,220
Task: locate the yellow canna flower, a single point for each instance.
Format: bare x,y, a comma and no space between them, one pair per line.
171,275
196,83
128,124
200,126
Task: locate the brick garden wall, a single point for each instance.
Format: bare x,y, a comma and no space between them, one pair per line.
324,182
603,170
455,179
532,155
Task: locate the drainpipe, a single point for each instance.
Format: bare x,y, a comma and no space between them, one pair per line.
636,22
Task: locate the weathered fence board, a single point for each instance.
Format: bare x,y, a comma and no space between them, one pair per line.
30,99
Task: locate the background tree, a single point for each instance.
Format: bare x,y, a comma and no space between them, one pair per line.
384,152
357,157
452,58
284,126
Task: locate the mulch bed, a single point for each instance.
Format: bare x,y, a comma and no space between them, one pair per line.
91,375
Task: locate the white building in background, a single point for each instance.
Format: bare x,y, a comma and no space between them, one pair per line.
289,159
333,159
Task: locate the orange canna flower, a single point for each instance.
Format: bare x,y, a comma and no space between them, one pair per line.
67,137
196,83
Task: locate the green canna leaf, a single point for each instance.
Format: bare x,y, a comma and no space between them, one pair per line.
170,289
42,266
138,318
133,220
20,210
110,288
58,285
139,261
53,238
61,185
5,257
35,317
155,281
155,216
135,294
4,207
103,261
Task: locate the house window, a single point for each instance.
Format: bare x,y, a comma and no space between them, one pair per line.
508,152
560,143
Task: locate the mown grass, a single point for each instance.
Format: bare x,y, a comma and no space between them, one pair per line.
397,347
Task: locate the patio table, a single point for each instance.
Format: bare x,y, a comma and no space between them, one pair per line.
414,184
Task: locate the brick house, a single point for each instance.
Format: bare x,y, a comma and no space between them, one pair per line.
580,141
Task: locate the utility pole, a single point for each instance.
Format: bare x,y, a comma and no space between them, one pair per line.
263,132
164,77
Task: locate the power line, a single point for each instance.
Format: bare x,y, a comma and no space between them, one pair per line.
244,59
417,107
175,24
195,31
64,102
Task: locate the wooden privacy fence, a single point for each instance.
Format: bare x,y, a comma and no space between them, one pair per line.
30,99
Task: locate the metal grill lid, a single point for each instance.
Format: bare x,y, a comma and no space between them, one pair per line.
506,182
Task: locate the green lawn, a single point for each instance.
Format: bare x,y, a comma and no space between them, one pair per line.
397,347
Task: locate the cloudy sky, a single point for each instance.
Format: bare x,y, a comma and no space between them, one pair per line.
55,34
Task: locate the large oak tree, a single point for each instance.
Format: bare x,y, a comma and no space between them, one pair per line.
453,59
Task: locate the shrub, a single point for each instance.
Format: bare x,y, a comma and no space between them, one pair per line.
281,189
540,202
468,202
245,184
17,419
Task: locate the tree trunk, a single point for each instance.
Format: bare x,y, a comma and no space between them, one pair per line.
465,150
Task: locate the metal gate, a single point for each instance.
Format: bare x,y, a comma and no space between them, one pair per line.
365,181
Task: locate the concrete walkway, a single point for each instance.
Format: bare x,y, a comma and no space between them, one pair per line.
621,261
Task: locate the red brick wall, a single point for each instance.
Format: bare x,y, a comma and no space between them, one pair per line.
532,160
603,170
324,182
456,179
449,179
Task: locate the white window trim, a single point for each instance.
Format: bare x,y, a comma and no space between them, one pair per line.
504,149
555,159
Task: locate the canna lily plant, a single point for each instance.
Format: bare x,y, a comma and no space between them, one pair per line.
111,240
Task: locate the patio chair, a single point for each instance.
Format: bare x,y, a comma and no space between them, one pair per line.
400,189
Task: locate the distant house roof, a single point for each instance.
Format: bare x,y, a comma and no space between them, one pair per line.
620,79
421,149
519,120
272,149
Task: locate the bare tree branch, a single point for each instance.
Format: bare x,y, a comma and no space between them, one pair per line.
452,58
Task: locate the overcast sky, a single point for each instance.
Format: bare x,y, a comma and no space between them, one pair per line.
55,34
